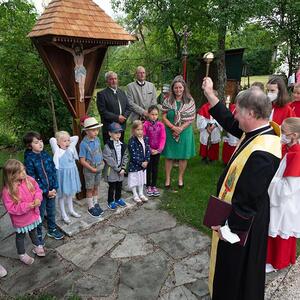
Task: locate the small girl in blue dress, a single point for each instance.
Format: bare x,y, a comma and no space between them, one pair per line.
64,156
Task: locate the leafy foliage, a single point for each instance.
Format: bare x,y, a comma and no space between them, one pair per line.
25,101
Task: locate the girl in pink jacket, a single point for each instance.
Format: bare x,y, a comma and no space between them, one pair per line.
22,197
156,132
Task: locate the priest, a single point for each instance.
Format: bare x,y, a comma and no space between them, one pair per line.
238,272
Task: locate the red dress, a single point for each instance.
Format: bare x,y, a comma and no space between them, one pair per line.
295,105
281,113
282,252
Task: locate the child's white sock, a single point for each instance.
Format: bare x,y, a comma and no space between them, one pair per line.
90,202
71,207
141,190
61,202
95,199
134,191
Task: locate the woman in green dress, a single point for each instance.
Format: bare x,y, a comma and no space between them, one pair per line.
178,115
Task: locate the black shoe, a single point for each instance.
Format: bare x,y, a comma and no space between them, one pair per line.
180,185
167,187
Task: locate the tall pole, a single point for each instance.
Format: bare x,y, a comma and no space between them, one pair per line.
185,33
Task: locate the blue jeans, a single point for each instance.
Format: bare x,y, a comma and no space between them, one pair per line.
48,205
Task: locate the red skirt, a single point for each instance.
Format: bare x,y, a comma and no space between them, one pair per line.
212,153
281,252
227,152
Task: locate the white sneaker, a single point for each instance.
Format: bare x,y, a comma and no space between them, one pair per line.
137,200
143,198
75,214
270,268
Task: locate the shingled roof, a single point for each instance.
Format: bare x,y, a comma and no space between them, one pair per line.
79,19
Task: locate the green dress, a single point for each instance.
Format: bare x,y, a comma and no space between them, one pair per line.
185,147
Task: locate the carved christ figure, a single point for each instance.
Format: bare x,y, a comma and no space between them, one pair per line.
80,71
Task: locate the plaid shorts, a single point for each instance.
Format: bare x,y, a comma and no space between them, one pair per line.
91,179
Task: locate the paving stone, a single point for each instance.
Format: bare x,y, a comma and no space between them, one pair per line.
199,288
145,221
106,272
181,241
12,266
90,287
86,221
84,252
169,284
30,278
133,245
192,268
142,278
179,293
64,287
273,281
152,204
6,227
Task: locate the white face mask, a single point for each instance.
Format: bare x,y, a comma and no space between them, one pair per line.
272,96
285,140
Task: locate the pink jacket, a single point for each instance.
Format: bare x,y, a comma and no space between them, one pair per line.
21,214
156,133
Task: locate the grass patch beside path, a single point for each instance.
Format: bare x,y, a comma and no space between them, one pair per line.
189,204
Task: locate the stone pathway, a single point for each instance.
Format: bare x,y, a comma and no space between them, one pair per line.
135,253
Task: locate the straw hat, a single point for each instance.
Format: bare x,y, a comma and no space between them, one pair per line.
91,123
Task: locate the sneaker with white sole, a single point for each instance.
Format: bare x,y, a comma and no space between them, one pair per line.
56,234
155,191
26,259
112,205
121,202
149,191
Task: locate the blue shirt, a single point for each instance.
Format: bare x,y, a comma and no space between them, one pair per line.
90,150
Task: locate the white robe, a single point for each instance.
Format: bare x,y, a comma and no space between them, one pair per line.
284,195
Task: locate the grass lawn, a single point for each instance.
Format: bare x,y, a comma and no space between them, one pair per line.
262,78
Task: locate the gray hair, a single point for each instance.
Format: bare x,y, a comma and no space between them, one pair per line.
108,74
256,100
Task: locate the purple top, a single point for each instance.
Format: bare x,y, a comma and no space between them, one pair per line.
156,133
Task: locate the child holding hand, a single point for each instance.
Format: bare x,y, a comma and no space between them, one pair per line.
22,197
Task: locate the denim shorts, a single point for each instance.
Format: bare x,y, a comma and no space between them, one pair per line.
91,179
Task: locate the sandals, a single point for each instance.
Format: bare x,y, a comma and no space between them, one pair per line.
26,259
137,200
39,251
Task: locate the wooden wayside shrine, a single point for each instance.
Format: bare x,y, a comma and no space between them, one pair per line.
75,25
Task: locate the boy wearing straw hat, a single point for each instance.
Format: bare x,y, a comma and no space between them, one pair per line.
91,159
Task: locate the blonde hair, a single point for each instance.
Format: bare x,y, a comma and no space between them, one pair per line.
136,124
296,86
11,170
293,124
61,134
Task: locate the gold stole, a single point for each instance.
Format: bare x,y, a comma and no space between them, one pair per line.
267,143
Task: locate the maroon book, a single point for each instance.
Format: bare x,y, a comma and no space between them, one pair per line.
217,213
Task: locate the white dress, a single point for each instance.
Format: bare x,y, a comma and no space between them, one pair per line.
284,195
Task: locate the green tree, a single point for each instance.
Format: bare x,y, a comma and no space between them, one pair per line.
25,89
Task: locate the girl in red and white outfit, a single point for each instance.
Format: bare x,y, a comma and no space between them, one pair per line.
210,134
229,141
278,95
284,192
296,100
